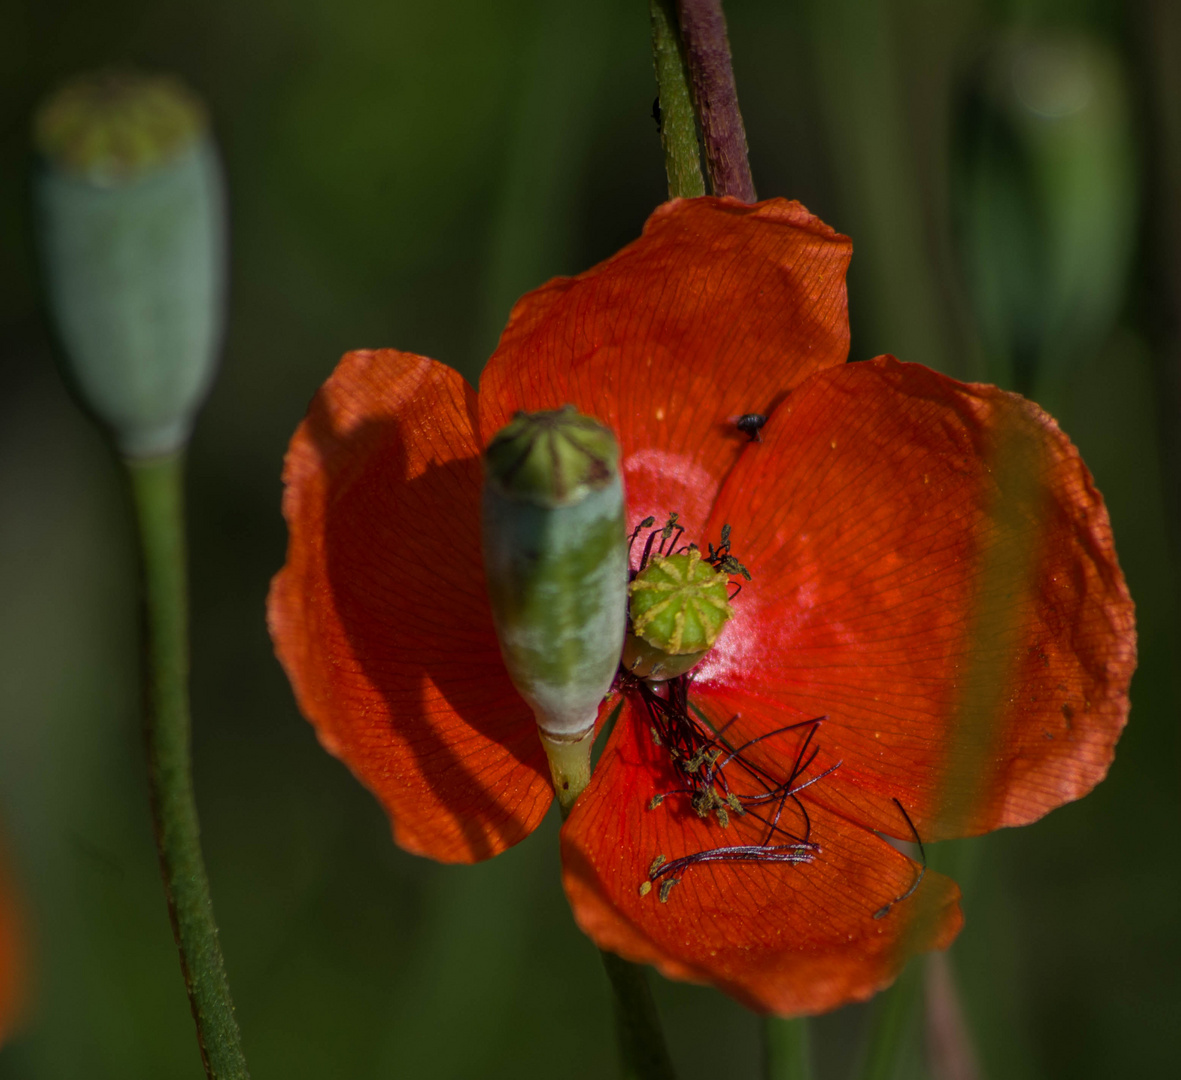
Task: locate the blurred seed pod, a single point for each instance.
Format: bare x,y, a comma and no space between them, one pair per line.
131,221
1045,197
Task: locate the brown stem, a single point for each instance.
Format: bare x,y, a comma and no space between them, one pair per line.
711,77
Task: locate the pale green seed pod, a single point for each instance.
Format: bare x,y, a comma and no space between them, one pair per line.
555,555
132,234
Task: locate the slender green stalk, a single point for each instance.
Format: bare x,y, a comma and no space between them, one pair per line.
788,1048
678,125
157,491
892,1026
642,1049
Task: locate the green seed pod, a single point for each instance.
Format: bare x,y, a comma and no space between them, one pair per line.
679,604
132,233
555,555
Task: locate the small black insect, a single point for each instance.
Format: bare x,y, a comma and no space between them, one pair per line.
656,115
751,424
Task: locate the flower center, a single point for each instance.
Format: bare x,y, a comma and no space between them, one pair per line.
678,602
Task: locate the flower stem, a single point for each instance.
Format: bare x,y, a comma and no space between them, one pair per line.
642,1049
892,1025
788,1048
157,491
715,98
678,125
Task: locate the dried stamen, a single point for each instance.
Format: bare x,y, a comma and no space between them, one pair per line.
679,598
700,757
884,910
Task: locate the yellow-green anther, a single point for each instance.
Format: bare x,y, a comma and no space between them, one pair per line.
132,232
679,604
555,556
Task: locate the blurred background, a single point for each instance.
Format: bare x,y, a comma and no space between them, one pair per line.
399,173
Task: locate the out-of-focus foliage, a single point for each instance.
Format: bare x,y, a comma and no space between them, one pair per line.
399,172
1046,197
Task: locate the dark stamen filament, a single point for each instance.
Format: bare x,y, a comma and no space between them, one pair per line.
700,756
884,910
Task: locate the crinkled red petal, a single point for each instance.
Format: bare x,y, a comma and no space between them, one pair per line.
380,616
719,309
934,576
781,938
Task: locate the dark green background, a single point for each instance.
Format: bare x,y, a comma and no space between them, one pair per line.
399,172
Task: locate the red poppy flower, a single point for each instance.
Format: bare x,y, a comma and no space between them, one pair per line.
933,581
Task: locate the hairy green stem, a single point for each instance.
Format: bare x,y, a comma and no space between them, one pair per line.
787,1045
678,125
157,491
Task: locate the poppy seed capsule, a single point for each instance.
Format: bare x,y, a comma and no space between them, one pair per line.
679,604
131,225
555,556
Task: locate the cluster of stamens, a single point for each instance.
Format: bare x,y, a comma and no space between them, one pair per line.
722,782
717,779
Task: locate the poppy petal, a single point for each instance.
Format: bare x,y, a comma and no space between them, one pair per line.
380,615
718,310
934,576
782,938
